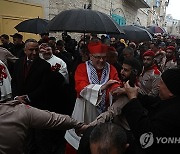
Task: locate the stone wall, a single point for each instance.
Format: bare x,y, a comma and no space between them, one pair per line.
129,12
119,7
53,7
142,15
56,6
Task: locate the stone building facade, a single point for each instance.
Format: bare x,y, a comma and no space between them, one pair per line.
157,12
142,12
172,25
127,9
124,12
53,7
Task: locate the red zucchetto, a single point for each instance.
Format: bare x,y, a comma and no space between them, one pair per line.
149,53
97,47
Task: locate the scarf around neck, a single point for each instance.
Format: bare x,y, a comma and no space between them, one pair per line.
93,79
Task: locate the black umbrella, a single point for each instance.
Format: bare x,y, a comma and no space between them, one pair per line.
137,34
143,27
35,26
156,29
84,21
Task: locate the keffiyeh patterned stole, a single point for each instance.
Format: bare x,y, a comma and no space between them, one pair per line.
93,79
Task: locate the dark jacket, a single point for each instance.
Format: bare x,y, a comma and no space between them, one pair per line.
34,84
18,50
9,46
159,117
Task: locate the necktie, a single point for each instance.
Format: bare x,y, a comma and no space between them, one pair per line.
29,62
27,67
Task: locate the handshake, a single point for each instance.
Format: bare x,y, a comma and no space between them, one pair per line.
80,129
23,99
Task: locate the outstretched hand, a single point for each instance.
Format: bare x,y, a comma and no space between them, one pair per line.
118,91
80,131
131,92
22,99
108,84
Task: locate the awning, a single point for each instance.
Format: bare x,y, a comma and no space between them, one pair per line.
138,3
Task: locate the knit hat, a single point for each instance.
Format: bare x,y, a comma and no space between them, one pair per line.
170,48
171,78
97,47
149,53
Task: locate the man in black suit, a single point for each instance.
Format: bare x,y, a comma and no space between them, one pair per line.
30,86
30,78
34,83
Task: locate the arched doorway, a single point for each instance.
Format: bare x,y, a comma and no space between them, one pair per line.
119,16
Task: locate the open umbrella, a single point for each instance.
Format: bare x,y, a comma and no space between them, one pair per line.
143,27
156,29
137,34
35,26
84,21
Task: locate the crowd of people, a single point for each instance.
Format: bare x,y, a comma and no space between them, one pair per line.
98,95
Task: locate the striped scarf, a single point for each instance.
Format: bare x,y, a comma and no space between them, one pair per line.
93,79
